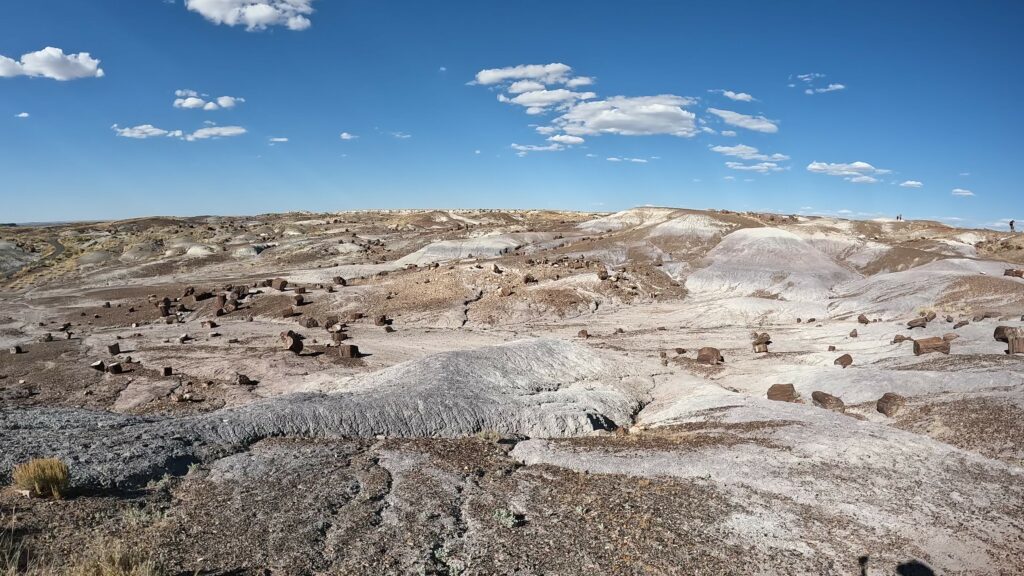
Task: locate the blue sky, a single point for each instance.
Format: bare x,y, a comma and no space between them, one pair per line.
436,94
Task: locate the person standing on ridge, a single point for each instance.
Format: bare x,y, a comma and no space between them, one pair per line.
1011,227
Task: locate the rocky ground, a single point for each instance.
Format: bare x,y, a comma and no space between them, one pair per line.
515,392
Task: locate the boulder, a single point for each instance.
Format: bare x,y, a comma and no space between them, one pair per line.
114,349
782,393
827,401
899,338
583,334
167,371
844,360
890,403
348,351
1004,333
960,324
709,355
279,284
853,333
292,342
930,345
917,323
863,319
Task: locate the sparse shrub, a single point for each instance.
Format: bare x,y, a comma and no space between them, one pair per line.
114,559
42,477
506,518
488,436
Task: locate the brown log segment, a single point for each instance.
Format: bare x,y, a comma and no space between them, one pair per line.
929,345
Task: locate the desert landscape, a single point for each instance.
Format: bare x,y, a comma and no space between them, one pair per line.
651,391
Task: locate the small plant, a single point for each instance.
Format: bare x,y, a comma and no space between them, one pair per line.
42,477
114,559
507,518
488,436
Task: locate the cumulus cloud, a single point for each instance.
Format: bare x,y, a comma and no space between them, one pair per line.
542,99
144,131
255,14
51,63
190,99
728,133
566,139
911,184
962,192
755,123
348,136
630,116
737,96
579,81
401,135
858,172
22,115
278,140
748,153
521,86
545,73
541,88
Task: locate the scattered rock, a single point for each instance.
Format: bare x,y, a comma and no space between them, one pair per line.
917,323
114,349
782,393
890,403
844,360
863,319
98,365
827,401
167,371
930,345
348,351
583,334
115,368
709,355
960,324
853,333
15,350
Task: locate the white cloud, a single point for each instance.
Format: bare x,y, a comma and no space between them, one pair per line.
762,167
51,63
144,131
579,81
541,99
190,99
22,115
228,101
278,139
747,153
348,136
442,69
810,80
566,139
631,116
633,160
524,86
401,135
755,123
728,177
965,173
737,96
613,159
476,151
858,172
911,184
829,88
962,192
215,132
255,14
728,133
524,149
545,73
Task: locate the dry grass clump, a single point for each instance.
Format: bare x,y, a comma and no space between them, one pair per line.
115,560
42,477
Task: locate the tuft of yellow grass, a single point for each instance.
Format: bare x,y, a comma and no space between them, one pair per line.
115,559
42,477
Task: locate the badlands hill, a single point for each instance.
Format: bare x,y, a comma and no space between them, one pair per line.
516,392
